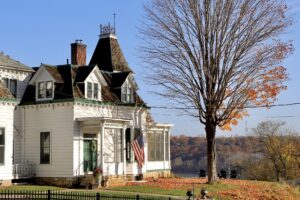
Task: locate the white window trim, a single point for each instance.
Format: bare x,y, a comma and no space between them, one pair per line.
93,90
124,88
45,88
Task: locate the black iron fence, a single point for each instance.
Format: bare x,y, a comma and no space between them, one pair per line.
70,195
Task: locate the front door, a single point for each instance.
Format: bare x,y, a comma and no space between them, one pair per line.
89,152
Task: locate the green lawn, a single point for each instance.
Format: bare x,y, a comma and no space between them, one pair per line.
163,188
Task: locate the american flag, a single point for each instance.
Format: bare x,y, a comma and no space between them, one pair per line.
138,149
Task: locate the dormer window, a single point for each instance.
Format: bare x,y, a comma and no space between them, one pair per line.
45,90
127,93
11,84
92,91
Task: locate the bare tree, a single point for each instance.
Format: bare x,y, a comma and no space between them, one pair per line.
278,145
216,57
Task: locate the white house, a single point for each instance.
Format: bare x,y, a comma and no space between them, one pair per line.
75,117
15,77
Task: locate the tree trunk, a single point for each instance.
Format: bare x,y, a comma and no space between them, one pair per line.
211,153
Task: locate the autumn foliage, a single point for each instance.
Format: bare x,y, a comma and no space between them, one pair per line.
216,58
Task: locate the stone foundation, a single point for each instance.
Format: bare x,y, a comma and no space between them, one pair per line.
61,182
84,181
158,174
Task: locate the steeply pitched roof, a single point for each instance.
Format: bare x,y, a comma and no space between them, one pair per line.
108,55
53,71
115,79
11,63
83,72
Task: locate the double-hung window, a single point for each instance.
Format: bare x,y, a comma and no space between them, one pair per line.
89,90
2,145
45,148
92,91
45,90
95,92
11,84
127,94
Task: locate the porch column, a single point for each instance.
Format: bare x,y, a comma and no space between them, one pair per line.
102,145
164,140
124,149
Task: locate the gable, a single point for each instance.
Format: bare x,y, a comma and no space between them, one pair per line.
41,75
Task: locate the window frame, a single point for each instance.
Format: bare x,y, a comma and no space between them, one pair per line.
156,140
96,91
48,162
93,92
42,92
127,93
3,146
8,83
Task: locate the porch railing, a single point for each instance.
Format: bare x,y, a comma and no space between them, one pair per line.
25,170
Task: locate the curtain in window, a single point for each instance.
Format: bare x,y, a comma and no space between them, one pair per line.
49,89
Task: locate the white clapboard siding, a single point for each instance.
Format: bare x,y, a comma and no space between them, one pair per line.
58,119
6,122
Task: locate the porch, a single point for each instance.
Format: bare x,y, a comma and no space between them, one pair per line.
103,143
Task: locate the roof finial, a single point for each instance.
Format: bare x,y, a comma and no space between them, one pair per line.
107,31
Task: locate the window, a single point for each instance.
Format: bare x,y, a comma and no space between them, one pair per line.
167,146
49,89
127,94
45,147
89,90
95,90
45,90
92,91
2,145
11,84
41,90
156,146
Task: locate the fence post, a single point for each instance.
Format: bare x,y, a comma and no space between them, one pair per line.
137,197
97,196
169,198
49,195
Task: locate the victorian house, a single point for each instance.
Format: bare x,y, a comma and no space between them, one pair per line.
60,122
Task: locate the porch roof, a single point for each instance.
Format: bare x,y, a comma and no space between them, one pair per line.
161,125
102,119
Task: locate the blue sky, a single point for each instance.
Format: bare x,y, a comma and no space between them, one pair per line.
40,31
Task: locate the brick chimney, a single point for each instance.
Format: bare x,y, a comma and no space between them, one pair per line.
78,53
